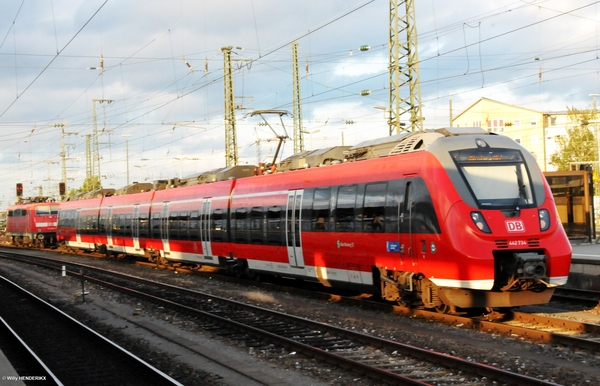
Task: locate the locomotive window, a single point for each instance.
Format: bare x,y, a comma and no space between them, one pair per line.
274,230
44,210
373,219
320,212
194,225
256,225
344,212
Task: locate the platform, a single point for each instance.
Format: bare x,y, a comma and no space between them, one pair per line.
585,267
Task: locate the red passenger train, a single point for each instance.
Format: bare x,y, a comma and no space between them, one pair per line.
32,222
448,219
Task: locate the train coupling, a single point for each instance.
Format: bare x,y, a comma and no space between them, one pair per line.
530,266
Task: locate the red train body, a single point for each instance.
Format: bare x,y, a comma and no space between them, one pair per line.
32,223
452,221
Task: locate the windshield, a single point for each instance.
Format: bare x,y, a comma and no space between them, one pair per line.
498,178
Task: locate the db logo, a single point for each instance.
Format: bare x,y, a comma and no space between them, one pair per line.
515,226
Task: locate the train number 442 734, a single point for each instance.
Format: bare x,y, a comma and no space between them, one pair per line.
516,243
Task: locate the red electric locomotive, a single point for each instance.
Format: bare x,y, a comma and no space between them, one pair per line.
32,222
446,219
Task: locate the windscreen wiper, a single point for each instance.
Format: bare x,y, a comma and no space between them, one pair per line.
522,193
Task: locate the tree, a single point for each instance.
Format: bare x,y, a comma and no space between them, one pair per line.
89,184
579,145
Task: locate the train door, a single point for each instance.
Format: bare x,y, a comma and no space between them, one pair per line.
109,228
293,229
205,227
135,227
405,217
78,227
164,228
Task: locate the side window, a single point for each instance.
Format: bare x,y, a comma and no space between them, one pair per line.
143,225
219,225
156,225
320,209
194,225
424,219
127,225
174,226
344,211
274,229
373,219
256,225
184,218
307,204
240,225
394,201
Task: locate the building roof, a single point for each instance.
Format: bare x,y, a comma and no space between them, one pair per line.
496,102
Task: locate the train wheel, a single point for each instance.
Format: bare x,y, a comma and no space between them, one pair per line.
443,308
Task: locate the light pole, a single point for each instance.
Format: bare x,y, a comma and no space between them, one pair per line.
181,159
310,133
140,167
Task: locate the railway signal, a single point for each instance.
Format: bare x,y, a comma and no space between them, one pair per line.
19,189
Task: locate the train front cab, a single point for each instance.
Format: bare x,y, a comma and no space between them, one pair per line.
32,224
516,251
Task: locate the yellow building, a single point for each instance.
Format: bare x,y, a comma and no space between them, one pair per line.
534,130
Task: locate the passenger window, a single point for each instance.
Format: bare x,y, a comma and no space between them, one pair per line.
346,203
274,231
373,219
320,210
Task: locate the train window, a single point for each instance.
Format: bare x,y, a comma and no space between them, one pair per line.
344,212
128,224
393,204
219,225
11,213
156,225
307,203
256,225
117,224
241,226
143,219
424,219
373,219
43,210
102,224
320,209
173,226
183,225
194,225
274,230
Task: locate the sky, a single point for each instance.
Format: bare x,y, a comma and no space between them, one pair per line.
151,73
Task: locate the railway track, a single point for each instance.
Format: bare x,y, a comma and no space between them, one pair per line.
65,351
384,360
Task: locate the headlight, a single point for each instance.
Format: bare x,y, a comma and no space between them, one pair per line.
544,217
480,223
